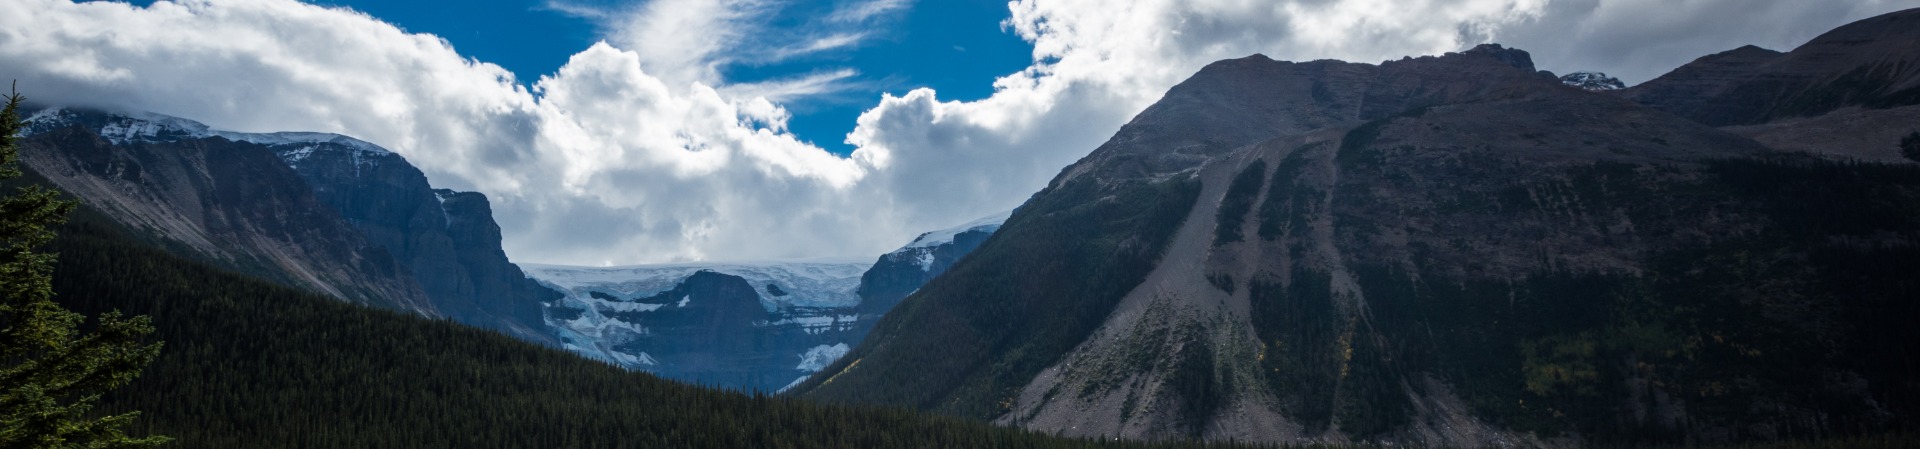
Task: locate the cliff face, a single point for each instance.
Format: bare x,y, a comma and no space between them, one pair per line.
1448,250
902,272
341,216
448,240
230,202
498,291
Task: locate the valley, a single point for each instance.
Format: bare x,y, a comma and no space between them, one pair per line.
1452,250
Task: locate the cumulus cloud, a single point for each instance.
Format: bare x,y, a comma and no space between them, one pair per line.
638,150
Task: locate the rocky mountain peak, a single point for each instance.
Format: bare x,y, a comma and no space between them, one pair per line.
1244,101
1511,56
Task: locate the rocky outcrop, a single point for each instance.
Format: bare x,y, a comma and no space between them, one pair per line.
448,240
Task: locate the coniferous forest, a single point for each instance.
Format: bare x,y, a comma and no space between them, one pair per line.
248,364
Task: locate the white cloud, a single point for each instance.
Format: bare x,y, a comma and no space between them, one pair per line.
856,11
1638,40
638,150
781,90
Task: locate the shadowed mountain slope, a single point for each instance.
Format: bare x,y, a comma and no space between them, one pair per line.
1452,250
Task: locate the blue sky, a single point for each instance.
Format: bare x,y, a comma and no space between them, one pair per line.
956,47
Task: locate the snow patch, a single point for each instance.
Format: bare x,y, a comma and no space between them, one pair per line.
818,292
145,127
795,383
926,259
819,357
1593,81
446,219
822,284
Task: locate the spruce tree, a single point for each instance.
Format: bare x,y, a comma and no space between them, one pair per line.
52,373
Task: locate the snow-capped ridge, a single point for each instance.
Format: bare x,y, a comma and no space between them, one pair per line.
147,127
813,283
987,224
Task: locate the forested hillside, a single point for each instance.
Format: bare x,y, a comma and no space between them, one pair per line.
250,364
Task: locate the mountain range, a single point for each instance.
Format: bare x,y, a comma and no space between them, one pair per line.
350,219
1452,250
324,212
755,326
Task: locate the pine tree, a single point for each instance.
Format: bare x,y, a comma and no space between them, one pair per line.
51,373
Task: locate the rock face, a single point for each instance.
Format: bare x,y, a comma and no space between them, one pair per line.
1594,81
448,240
903,271
1447,250
496,291
436,252
230,202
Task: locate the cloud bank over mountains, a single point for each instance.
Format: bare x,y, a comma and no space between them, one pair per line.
637,150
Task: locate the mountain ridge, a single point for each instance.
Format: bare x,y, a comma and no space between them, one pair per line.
440,250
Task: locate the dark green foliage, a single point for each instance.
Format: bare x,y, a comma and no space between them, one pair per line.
1202,389
1238,201
51,373
1013,307
255,365
1222,281
1302,333
1355,143
1287,204
1798,328
1910,147
1371,400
